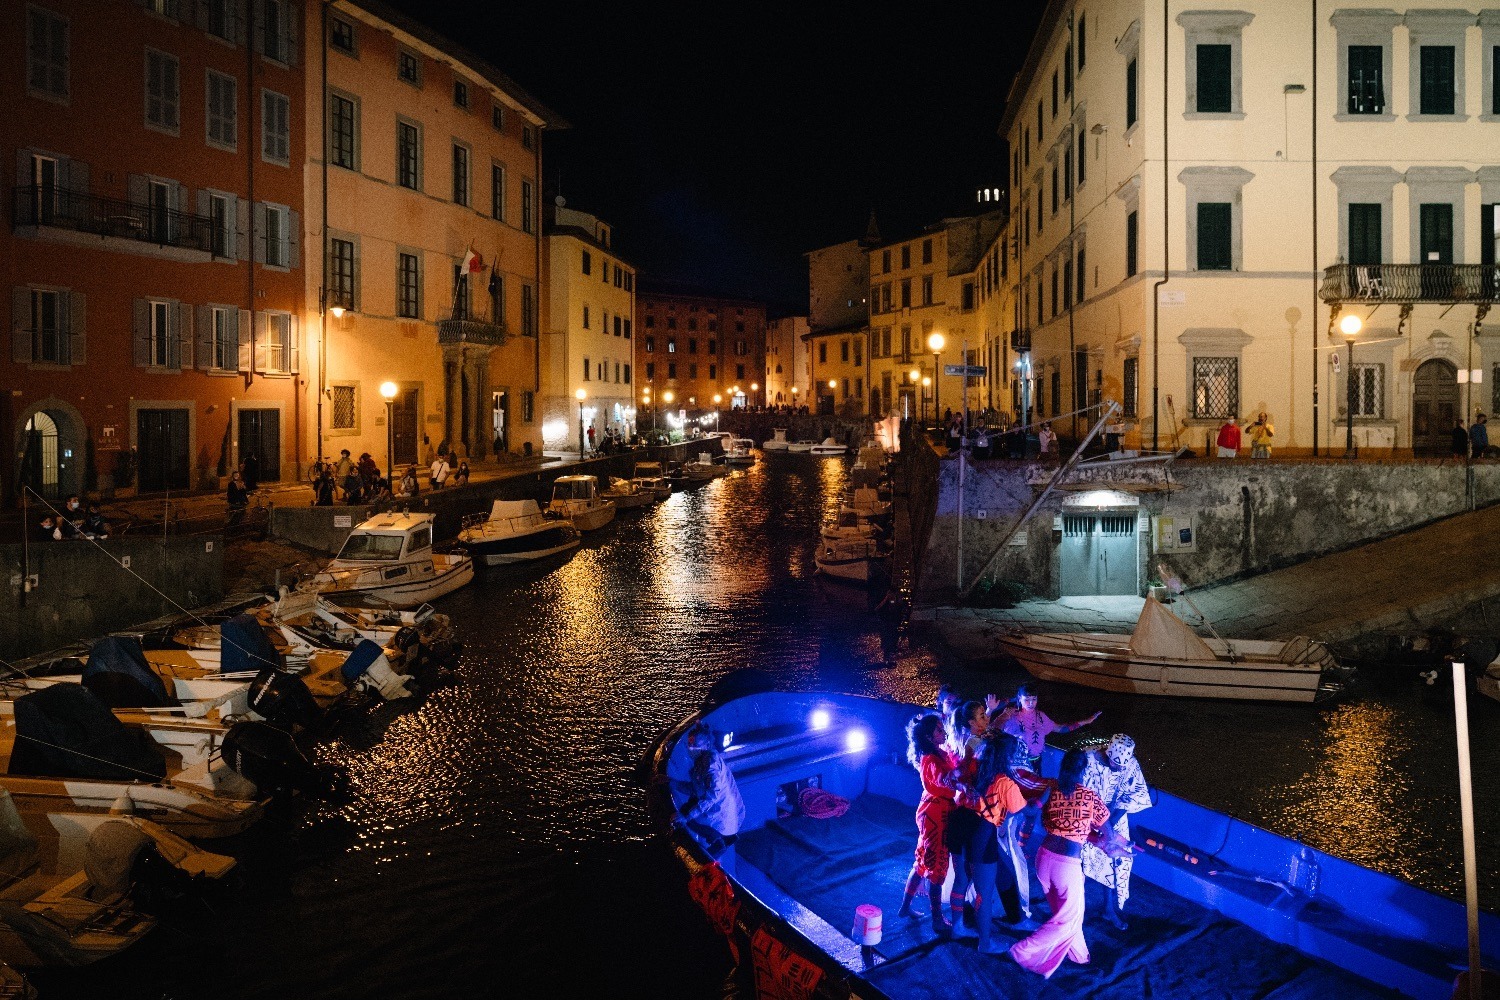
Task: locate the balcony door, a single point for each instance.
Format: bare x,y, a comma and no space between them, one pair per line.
1434,407
44,183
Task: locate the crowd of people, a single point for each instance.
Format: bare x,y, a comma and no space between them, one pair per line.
990,433
75,521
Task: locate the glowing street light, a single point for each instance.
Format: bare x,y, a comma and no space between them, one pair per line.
388,391
1350,326
667,396
833,383
935,342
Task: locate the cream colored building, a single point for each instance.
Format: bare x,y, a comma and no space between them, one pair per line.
1197,195
425,154
787,361
588,344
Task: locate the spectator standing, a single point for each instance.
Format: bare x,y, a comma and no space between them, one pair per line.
251,468
1461,440
1261,432
1228,441
1479,436
439,471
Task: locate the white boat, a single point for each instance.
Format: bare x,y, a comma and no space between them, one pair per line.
625,494
737,451
577,499
651,476
390,558
778,441
516,531
704,468
849,527
829,446
857,559
1164,656
865,502
801,447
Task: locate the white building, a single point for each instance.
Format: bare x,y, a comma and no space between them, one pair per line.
787,361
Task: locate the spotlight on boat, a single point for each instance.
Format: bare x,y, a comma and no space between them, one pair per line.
727,742
856,740
820,719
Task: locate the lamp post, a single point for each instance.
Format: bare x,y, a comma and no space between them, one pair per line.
388,391
935,342
581,396
755,387
926,384
1350,326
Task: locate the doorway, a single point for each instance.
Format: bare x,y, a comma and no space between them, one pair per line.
500,420
404,428
1100,554
1434,407
260,435
39,461
162,444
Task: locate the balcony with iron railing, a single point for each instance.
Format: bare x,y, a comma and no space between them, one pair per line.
1411,284
41,207
465,328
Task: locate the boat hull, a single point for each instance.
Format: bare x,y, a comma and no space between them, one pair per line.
556,538
594,518
449,573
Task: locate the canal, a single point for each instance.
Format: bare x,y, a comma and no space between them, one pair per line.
493,841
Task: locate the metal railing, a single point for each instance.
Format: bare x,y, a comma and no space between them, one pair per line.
88,213
1411,283
471,331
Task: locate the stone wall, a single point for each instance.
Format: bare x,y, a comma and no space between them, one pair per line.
1249,517
80,591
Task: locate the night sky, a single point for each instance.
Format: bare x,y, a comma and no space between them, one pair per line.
724,140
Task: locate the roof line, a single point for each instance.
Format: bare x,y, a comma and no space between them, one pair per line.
1044,30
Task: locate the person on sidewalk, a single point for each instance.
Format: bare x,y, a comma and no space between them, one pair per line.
1121,786
343,471
1261,432
461,476
250,468
1460,441
439,471
1047,440
237,497
1228,441
323,489
1479,437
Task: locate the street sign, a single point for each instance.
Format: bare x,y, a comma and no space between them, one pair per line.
972,371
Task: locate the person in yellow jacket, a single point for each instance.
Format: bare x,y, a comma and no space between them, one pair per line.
1260,433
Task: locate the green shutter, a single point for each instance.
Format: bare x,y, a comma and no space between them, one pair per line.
1215,251
1437,234
1437,80
1214,91
1364,234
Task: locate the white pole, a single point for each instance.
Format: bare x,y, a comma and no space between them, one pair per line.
963,446
1466,804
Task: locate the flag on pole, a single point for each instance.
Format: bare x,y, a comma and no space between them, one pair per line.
473,263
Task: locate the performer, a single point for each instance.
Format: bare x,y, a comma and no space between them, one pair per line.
709,799
1000,802
1072,812
1121,786
924,742
966,727
1031,725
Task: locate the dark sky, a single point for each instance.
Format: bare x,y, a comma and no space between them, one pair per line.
724,140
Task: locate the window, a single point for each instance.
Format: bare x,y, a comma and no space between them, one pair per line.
1366,79
1364,233
1369,390
1216,388
1056,392
1067,174
692,325
341,35
341,131
1082,40
162,208
823,353
528,311
968,296
619,326
163,92
588,262
671,369
650,342
905,257
1054,189
1213,79
1079,294
692,342
906,293
1067,283
585,317
1130,94
671,322
626,325
221,215
45,325
341,273
927,251
276,252
497,192
343,418
460,174
885,262
161,340
650,370
408,155
222,111
460,94
280,349
1495,80
528,137
859,352
927,289
692,370
46,54
497,117
713,346
409,68
587,369
1437,67
222,19
1130,388
1067,68
276,128
527,223
274,37
223,337
713,372
1132,237
671,345
844,351
528,406
1054,291
1214,244
1054,93
408,286
1212,46
627,375
739,372
463,302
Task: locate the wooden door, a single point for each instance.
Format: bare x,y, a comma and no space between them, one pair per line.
1434,407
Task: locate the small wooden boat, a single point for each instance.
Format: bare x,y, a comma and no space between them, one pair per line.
390,558
515,531
651,477
577,499
778,441
829,446
625,494
737,451
847,526
858,559
1164,656
866,503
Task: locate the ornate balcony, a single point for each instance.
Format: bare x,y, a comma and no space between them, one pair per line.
471,331
111,217
1411,284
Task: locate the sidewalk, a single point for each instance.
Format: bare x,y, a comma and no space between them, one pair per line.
1402,584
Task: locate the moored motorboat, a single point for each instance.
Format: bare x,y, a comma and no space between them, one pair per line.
859,559
577,499
704,468
829,446
777,441
848,526
801,447
390,558
651,477
516,531
737,451
1164,656
865,502
626,494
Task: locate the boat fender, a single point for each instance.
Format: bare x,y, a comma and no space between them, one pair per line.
282,700
267,757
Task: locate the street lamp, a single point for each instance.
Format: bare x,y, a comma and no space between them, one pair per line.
1350,326
926,383
935,342
581,396
388,391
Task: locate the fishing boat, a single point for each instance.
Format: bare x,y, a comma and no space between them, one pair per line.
846,526
390,559
704,468
1164,656
737,451
577,499
829,446
860,560
777,441
625,494
515,531
865,502
1219,907
651,477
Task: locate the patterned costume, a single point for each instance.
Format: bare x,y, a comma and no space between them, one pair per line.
1071,817
1124,789
938,795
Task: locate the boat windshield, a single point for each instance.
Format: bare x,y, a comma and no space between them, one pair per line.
361,546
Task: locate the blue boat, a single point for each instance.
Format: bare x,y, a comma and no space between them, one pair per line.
1219,908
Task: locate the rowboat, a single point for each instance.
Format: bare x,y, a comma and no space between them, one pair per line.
1164,656
859,559
1219,907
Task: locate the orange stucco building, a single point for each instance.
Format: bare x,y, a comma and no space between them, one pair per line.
699,346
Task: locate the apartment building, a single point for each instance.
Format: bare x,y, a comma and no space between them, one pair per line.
838,334
422,187
699,347
788,376
589,352
1200,196
154,252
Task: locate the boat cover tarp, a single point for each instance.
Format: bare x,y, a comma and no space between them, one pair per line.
64,731
1172,948
1161,635
118,675
243,646
513,508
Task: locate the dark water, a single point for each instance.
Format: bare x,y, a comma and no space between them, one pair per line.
494,842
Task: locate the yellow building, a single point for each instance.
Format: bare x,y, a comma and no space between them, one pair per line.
787,361
589,336
1200,195
422,189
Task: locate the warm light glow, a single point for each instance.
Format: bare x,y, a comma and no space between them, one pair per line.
735,390
692,400
857,740
718,398
580,395
647,390
389,390
833,383
794,390
1351,325
935,342
754,386
915,374
667,396
926,379
338,312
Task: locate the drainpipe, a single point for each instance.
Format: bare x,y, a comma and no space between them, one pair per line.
1317,303
1072,231
536,304
1166,244
323,230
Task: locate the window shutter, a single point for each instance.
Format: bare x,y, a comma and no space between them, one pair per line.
294,240
1487,235
293,346
241,229
259,237
200,14
179,198
289,20
203,203
243,338
64,328
257,26
20,325
78,316
76,176
23,168
203,320
174,336
135,193
258,345
142,310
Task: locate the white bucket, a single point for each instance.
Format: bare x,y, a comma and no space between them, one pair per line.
867,920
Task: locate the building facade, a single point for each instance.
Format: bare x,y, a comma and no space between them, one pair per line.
1198,197
154,252
838,335
589,334
422,187
698,347
788,376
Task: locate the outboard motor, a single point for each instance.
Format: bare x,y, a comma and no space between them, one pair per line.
282,699
367,669
267,757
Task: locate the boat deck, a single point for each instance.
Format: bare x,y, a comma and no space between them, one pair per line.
1172,948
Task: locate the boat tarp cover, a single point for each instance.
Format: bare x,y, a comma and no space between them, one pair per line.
1172,948
243,646
118,675
1161,635
64,731
513,508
